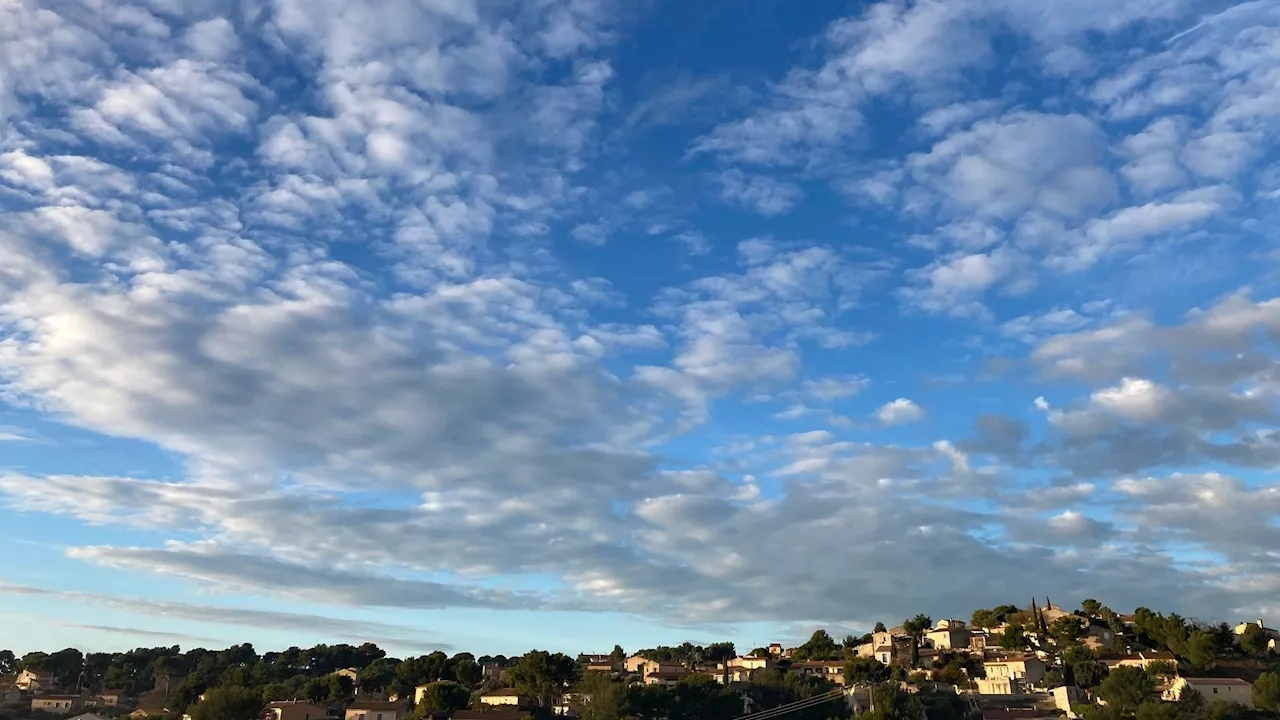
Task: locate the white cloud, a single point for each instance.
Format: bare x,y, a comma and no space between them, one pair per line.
761,193
899,412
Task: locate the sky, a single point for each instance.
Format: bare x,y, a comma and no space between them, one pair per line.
489,325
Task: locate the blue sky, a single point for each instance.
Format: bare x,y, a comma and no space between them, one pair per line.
490,326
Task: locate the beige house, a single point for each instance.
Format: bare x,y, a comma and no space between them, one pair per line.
751,662
56,703
1141,659
1065,696
294,710
666,678
775,650
353,673
1214,690
999,686
832,670
606,667
374,710
637,665
1029,670
949,637
33,681
506,698
109,698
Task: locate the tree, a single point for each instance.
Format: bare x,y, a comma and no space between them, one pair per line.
1014,637
604,697
377,675
1091,607
915,627
1066,630
1254,641
1157,710
891,702
1126,688
443,697
820,646
863,670
8,662
544,676
720,652
1266,692
228,703
618,655
1085,670
1200,651
880,627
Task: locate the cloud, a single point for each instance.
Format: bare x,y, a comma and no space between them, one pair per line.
899,412
766,195
351,630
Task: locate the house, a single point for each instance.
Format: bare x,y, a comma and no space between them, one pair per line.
1065,696
752,662
33,681
606,667
948,637
665,678
642,666
1141,659
374,710
353,673
56,703
109,698
90,716
775,650
1029,670
733,675
999,686
1214,690
1099,637
947,623
978,641
505,698
832,670
491,715
1244,626
293,710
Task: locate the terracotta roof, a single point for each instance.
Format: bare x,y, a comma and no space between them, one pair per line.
287,703
56,696
1216,681
374,705
504,692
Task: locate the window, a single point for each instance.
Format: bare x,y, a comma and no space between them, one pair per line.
1215,691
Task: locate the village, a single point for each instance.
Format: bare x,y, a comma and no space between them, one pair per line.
1006,663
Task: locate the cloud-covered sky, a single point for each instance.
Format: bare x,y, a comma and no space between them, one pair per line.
561,323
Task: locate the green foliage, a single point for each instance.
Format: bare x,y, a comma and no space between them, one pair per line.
1126,688
8,662
773,687
1266,692
820,646
443,696
1014,637
719,652
1254,641
993,617
1200,651
688,700
945,706
1091,607
606,697
618,654
544,676
229,703
863,670
880,627
1083,668
378,675
1157,710
890,702
1067,629
957,668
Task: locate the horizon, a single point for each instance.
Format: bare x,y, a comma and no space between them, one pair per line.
573,323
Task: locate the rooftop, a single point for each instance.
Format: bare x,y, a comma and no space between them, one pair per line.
373,705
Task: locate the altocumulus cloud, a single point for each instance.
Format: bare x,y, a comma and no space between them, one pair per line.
352,303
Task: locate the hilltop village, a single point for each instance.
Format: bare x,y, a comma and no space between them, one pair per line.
1041,661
